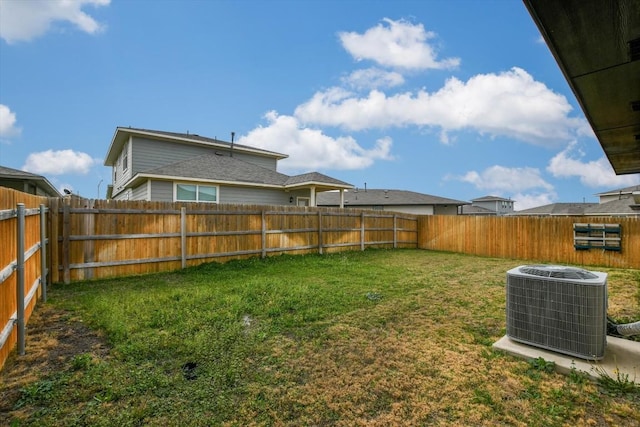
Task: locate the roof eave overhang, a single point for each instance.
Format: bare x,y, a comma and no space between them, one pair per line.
319,186
122,134
590,41
142,177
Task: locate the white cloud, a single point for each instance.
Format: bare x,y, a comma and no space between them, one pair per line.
59,162
310,149
373,78
25,20
8,120
510,104
399,44
593,173
500,179
528,201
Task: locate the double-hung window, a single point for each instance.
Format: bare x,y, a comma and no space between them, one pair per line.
196,193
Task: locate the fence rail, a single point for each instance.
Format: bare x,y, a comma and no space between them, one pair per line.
540,239
90,239
109,238
23,265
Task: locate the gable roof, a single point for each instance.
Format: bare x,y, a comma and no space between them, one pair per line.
231,170
377,197
315,178
122,134
38,180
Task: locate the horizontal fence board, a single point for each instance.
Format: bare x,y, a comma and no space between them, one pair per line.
540,239
98,238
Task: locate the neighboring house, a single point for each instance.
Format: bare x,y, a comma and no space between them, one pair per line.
165,166
27,182
620,202
489,205
620,194
393,200
557,209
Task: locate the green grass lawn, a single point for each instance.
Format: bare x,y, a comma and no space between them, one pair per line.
374,338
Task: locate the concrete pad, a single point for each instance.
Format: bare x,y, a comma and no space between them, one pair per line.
621,355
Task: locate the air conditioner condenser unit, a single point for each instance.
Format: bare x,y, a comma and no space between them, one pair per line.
562,309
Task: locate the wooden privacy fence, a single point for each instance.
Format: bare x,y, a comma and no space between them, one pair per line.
538,239
106,238
23,268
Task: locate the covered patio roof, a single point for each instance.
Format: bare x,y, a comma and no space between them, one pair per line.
597,46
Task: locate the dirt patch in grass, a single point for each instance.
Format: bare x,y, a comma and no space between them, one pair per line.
53,339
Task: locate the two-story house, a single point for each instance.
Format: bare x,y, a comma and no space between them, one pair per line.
165,166
489,205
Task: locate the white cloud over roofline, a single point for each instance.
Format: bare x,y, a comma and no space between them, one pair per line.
501,179
26,20
311,149
594,173
60,162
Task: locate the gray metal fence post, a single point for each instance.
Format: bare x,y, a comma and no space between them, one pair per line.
43,253
20,277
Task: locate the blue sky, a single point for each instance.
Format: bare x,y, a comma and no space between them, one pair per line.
458,99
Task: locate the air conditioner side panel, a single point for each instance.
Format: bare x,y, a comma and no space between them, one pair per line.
563,316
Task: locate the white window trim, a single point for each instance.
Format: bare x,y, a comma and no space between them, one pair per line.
308,199
175,191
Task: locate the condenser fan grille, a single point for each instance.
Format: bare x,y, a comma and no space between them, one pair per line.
558,272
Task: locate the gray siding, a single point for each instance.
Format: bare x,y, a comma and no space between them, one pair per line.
150,154
446,210
122,175
253,196
140,192
162,191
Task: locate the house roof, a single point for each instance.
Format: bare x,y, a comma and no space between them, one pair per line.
377,197
231,170
626,190
491,199
557,209
316,178
122,134
597,47
39,180
614,207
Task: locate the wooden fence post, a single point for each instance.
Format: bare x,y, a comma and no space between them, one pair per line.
320,232
362,231
66,246
395,231
43,253
20,277
183,236
264,235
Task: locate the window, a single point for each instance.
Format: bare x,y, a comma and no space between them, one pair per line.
196,193
125,161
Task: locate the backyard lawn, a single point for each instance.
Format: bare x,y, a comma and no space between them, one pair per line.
374,338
